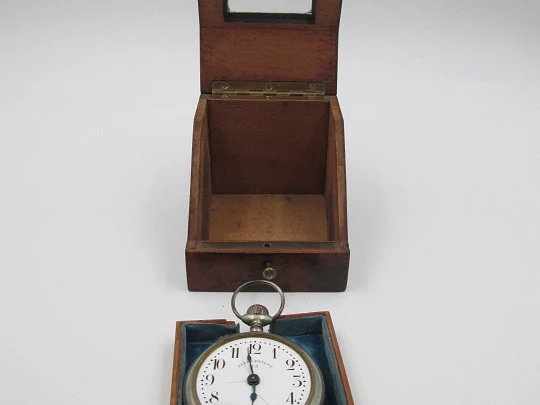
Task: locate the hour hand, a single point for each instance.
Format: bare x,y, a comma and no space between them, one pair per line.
253,396
253,379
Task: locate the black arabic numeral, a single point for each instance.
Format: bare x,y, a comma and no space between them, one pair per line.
275,353
298,382
214,397
290,399
219,364
255,348
235,352
291,364
210,379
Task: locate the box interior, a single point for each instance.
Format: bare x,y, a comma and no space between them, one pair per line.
269,171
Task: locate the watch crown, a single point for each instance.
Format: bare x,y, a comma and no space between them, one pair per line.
257,309
257,317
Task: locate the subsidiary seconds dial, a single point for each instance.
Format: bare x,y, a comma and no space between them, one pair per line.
254,369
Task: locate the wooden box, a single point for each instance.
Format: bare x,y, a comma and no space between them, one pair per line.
268,165
314,332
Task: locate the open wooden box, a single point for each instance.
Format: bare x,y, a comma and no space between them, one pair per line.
268,165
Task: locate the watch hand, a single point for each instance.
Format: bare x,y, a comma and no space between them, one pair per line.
250,363
253,396
253,380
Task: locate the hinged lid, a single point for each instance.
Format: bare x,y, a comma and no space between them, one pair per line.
258,47
269,89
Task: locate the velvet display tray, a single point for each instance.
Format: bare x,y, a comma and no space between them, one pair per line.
313,332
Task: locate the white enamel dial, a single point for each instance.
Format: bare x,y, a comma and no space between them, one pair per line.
284,377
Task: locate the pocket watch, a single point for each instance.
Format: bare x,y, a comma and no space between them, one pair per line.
256,367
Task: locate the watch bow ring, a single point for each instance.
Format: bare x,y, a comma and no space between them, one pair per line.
257,316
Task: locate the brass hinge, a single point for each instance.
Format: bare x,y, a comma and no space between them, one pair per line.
269,89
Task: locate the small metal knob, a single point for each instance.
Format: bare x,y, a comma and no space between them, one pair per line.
257,317
269,273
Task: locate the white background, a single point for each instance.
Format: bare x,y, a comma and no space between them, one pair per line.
442,109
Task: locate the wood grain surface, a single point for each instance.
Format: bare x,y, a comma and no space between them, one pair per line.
243,51
214,269
268,170
268,217
241,194
336,183
268,146
201,187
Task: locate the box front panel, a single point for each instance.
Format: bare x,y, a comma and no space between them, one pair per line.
226,269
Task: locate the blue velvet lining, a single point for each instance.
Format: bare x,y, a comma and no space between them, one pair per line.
196,338
310,332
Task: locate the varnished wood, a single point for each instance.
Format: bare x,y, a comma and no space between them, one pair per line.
200,192
268,170
268,146
328,14
234,51
314,157
268,217
330,186
341,189
335,186
299,270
